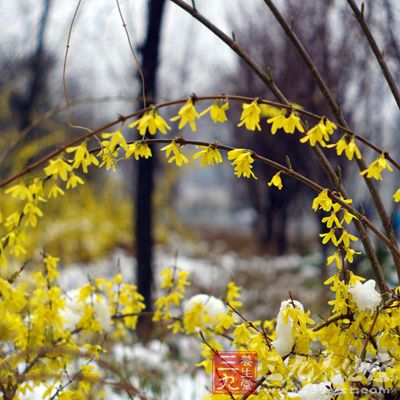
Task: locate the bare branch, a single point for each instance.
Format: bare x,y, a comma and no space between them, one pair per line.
377,52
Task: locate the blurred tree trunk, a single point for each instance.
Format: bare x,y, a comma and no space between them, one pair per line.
145,172
37,71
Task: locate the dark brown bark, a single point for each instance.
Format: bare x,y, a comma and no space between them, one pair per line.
145,171
37,71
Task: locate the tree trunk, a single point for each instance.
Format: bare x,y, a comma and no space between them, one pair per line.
145,172
37,71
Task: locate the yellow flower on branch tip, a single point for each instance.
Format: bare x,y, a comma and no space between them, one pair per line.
242,161
217,111
50,261
51,267
55,191
350,254
348,216
346,238
352,150
82,157
250,116
334,257
32,212
349,148
329,236
330,126
74,181
177,156
376,167
138,149
151,121
58,168
320,133
242,334
187,114
322,201
20,191
233,295
276,181
289,124
210,155
332,219
396,196
116,140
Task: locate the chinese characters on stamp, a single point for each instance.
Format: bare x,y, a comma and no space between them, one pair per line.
234,372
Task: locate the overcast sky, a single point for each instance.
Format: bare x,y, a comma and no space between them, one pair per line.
100,63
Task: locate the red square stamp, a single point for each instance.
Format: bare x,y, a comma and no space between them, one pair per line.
234,372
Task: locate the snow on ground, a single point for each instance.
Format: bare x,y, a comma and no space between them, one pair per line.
266,281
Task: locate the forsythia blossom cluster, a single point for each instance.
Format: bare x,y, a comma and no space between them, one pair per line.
242,160
43,329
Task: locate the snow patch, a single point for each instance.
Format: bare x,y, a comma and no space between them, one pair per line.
213,306
284,341
365,295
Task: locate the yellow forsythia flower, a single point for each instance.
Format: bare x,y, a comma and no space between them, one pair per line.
233,295
322,201
58,168
320,133
251,116
276,181
178,156
138,149
350,148
187,114
396,196
74,181
20,191
350,254
332,219
346,238
329,236
242,161
55,191
335,257
116,140
150,122
209,156
217,111
376,167
289,124
82,157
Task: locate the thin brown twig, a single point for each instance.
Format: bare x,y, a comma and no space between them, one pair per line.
135,57
267,79
359,15
182,141
51,113
384,217
64,75
124,386
123,118
369,334
268,340
307,181
330,321
75,377
327,166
